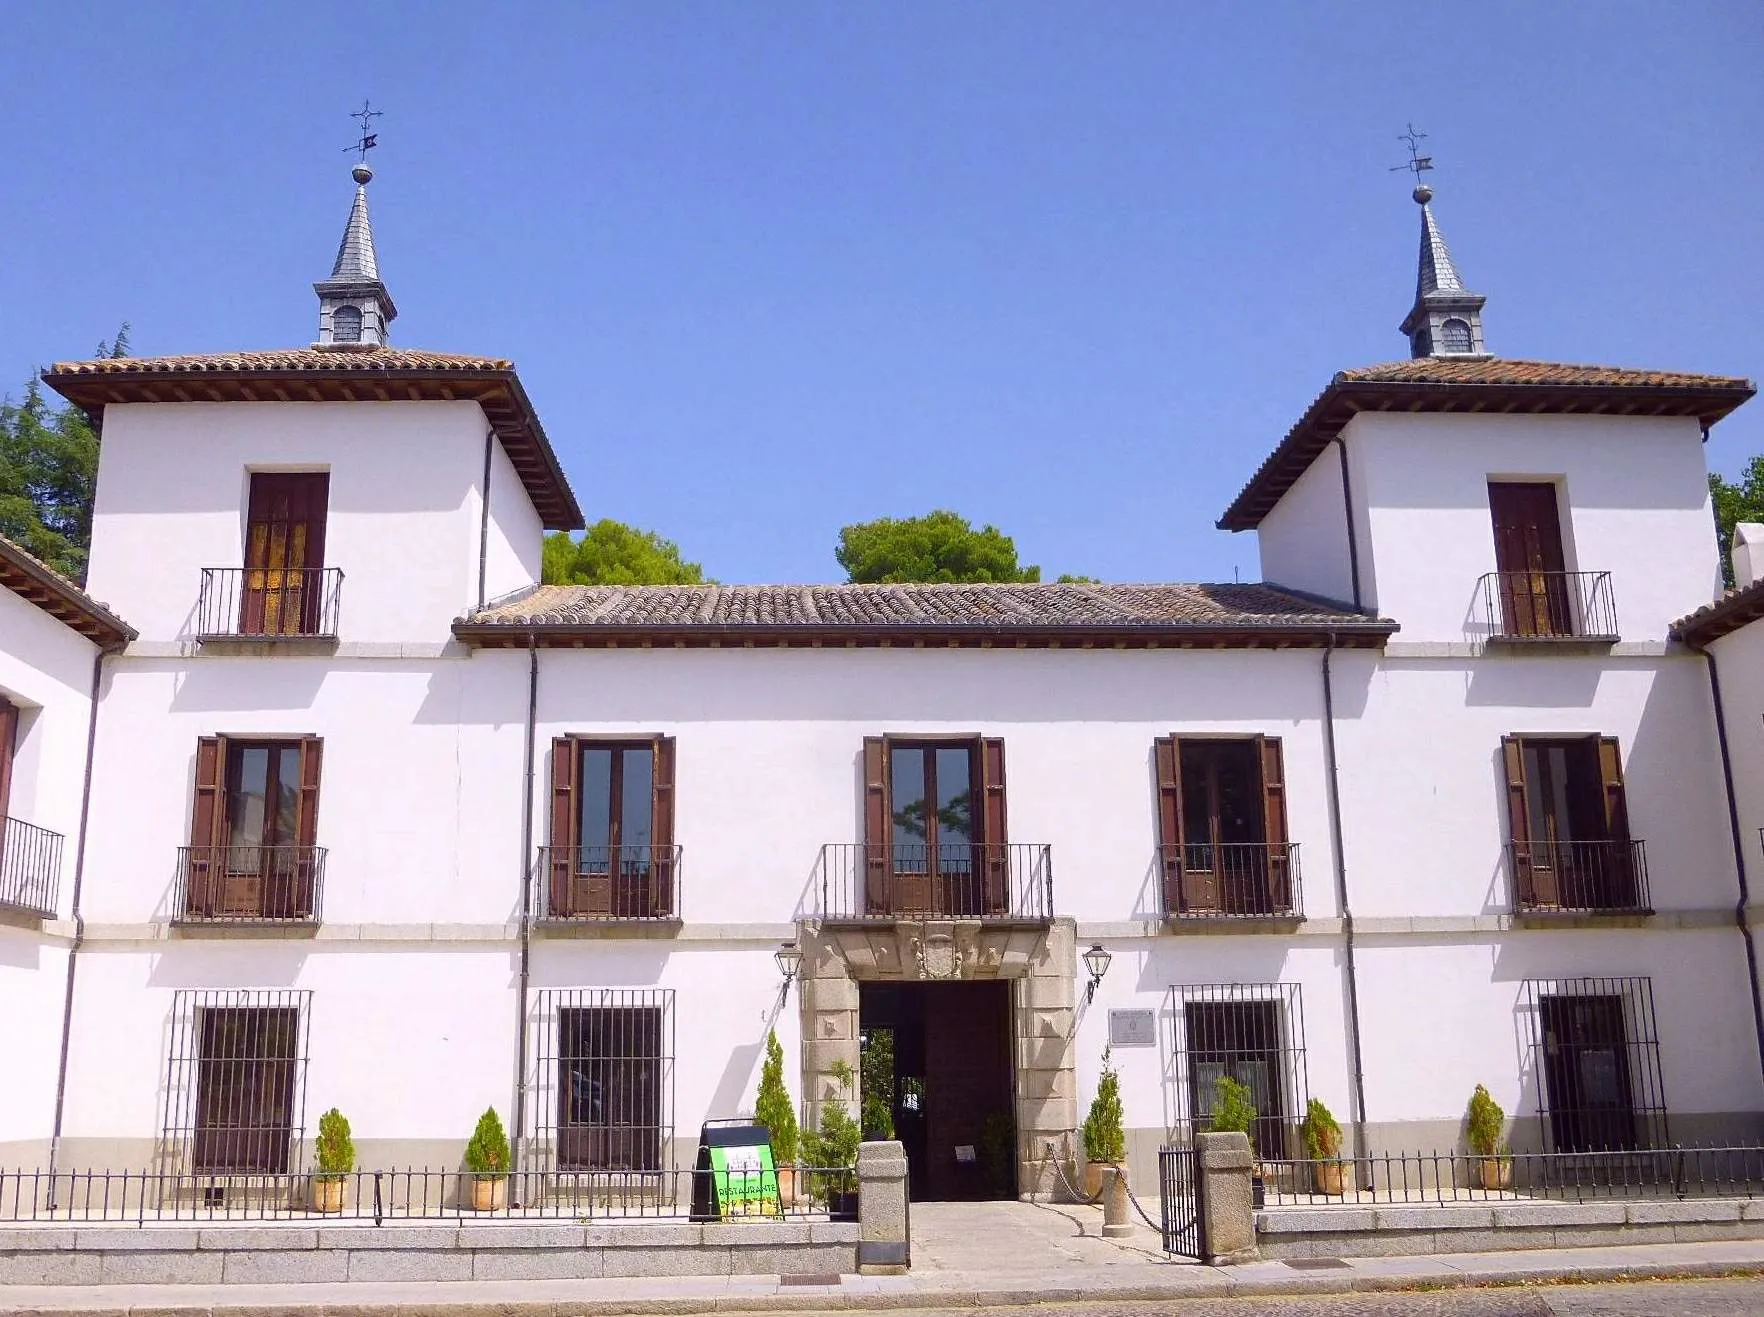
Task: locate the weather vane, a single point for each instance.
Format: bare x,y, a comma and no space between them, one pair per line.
1418,164
369,140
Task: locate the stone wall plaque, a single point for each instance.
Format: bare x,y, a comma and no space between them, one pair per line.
1133,1027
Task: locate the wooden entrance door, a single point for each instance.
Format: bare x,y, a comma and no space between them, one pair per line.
1530,575
284,554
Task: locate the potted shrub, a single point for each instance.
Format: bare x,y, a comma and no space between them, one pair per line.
335,1152
487,1160
1105,1134
773,1110
832,1149
1322,1138
1234,1112
1494,1163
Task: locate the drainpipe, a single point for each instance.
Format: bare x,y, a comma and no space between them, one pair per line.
79,923
1739,850
484,519
1347,503
520,1096
1339,854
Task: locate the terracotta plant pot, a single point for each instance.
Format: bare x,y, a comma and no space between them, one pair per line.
1093,1180
1330,1178
327,1193
489,1193
787,1186
1495,1172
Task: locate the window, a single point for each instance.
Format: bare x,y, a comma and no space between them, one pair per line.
1454,336
346,324
612,853
284,554
1423,344
1222,826
1531,581
234,1100
1597,1057
607,1057
934,827
1568,824
1253,1033
253,831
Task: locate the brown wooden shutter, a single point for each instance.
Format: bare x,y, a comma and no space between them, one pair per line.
1167,763
8,744
1274,821
996,889
305,869
877,826
564,821
206,867
1611,778
1528,878
662,827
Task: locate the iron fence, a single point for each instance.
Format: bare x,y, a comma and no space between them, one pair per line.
1454,1177
1002,881
1241,880
249,884
140,1197
1183,1222
269,603
30,867
1525,606
1608,877
587,883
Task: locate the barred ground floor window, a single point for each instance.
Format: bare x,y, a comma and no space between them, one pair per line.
1253,1033
1595,1052
236,1080
604,1098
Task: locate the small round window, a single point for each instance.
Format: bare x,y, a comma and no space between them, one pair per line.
346,324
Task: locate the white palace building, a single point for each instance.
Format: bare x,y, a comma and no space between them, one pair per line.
331,803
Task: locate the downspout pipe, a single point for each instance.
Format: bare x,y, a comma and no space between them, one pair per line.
484,521
1347,503
1739,850
526,926
79,922
1339,855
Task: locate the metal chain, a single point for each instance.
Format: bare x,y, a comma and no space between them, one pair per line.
1097,1198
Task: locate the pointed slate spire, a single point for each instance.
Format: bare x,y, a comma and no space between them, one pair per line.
1446,320
354,306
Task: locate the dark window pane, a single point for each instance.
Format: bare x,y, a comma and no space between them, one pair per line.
635,806
906,774
955,795
248,801
595,791
287,817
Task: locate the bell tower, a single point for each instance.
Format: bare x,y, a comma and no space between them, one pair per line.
354,307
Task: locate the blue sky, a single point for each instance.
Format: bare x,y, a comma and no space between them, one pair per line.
770,268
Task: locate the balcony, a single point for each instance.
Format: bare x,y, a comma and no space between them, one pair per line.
994,882
1579,877
1232,880
249,885
609,884
255,604
30,867
1542,608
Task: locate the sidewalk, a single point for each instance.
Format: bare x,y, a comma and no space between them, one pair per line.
964,1255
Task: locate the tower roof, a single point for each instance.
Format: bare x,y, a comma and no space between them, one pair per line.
1446,319
1436,274
354,306
356,260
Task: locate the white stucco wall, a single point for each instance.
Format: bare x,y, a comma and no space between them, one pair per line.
514,546
1303,540
33,977
46,669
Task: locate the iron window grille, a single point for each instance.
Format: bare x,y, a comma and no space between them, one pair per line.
603,1102
1594,1047
235,1093
1252,1032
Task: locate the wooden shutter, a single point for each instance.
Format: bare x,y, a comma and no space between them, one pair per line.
305,869
661,827
8,744
564,821
1274,822
996,889
1533,884
205,872
877,825
1167,763
284,548
1611,779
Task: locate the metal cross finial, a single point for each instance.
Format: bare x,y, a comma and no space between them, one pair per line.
369,140
1418,164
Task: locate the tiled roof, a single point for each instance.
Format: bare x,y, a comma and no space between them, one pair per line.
938,614
352,373
1726,615
1487,384
36,582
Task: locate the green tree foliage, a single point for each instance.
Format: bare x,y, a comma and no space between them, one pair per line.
772,1108
1737,501
940,546
612,553
876,1083
1486,1122
1068,578
487,1153
1320,1131
1105,1132
1234,1110
334,1147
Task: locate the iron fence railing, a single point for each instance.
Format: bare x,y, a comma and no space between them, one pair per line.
140,1197
579,883
249,884
30,867
1453,1177
1204,880
1004,881
1579,876
269,603
1546,606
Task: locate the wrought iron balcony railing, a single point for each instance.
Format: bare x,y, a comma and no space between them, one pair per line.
1544,606
249,884
614,883
30,867
1608,877
252,603
1247,880
1002,881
